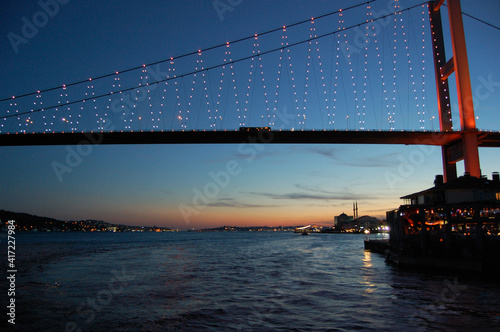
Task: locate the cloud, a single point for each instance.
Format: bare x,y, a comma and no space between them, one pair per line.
231,202
329,152
384,160
357,160
308,196
344,194
307,192
264,151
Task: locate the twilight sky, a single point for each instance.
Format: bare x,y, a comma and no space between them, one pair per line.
195,186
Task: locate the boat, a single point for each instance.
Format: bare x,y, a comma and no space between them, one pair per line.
303,230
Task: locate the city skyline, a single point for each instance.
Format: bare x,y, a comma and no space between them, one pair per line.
200,186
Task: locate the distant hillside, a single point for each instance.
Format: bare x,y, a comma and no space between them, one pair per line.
28,222
24,220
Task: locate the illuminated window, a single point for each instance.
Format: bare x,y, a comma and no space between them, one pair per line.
498,196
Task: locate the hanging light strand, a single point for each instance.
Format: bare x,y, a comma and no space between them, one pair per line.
392,113
282,59
337,66
425,15
322,76
249,86
211,115
233,80
294,95
266,100
164,99
302,117
221,84
411,81
365,69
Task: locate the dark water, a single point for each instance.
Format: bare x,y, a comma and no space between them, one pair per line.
243,281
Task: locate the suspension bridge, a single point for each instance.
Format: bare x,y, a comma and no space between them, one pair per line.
366,74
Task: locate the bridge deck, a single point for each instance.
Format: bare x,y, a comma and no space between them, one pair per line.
486,139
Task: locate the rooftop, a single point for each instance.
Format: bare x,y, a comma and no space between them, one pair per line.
464,189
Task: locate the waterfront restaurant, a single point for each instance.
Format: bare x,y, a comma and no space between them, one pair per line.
451,225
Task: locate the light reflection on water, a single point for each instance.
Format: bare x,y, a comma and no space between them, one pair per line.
235,281
367,266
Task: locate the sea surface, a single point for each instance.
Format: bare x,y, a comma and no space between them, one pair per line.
234,281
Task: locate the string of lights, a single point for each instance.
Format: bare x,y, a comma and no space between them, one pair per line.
323,81
351,74
336,79
233,81
221,83
380,59
425,15
280,66
302,117
392,111
365,74
295,100
211,118
261,67
411,82
162,100
249,86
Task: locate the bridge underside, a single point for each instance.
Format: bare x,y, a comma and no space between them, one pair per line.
485,139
